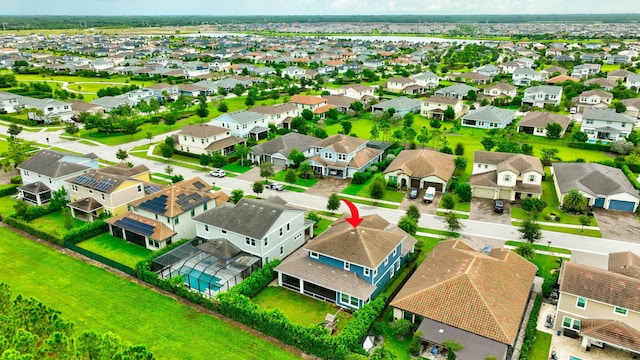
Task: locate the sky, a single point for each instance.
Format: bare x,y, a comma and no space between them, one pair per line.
313,7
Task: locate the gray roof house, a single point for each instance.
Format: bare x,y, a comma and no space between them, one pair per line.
244,123
603,186
538,96
489,117
605,124
47,171
401,104
277,151
458,91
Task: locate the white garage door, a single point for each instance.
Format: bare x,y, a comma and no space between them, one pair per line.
483,193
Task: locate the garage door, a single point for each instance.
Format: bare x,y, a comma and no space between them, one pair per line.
483,193
599,202
621,205
438,186
279,162
505,194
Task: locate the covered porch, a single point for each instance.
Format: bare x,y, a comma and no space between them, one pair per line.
36,193
86,209
607,133
148,233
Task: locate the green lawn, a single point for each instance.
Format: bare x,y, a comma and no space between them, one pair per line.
363,190
439,232
321,226
280,176
54,223
237,168
566,230
546,263
541,247
457,204
373,203
6,205
299,309
540,348
95,299
116,249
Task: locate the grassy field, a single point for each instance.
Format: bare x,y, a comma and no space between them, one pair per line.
95,299
54,223
116,249
540,349
541,247
281,175
299,309
545,264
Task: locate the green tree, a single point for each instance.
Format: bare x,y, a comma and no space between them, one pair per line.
290,176
218,160
205,159
409,135
408,120
459,151
333,202
297,157
380,353
584,221
122,155
409,224
447,201
452,346
449,113
242,151
464,192
13,131
129,127
203,110
452,222
472,95
258,188
530,231
166,150
435,124
236,196
460,163
71,129
305,170
170,119
374,132
238,90
401,327
619,106
266,170
222,107
525,250
488,143
346,126
307,114
376,189
549,155
333,114
424,136
356,106
574,201
554,130
579,136
413,211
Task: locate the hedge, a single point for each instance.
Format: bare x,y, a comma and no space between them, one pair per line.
86,231
631,176
530,331
16,180
589,146
25,226
8,189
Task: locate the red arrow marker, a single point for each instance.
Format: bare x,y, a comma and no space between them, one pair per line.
355,218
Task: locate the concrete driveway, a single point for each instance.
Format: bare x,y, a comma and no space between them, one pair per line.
618,225
422,206
482,210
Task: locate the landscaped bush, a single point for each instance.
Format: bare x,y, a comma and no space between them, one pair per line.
258,280
360,178
589,146
530,332
549,283
533,204
16,180
26,212
86,231
8,189
631,176
26,227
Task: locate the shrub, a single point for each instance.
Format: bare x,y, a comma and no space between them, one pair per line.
360,178
533,204
313,216
588,146
464,192
448,202
26,227
9,189
16,180
530,331
86,231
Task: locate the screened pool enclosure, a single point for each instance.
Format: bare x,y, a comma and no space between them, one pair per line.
207,266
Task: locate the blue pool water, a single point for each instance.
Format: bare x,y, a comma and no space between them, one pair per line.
198,280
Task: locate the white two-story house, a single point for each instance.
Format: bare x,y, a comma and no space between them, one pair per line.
357,91
9,102
525,76
606,124
539,96
398,84
435,106
506,176
633,81
267,229
277,114
206,139
244,124
341,156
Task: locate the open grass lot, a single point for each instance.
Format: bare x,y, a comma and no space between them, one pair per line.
540,349
71,79
95,299
6,205
54,223
299,309
280,176
116,249
363,190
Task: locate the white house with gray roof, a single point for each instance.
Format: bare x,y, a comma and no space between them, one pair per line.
244,124
539,96
48,170
489,117
603,186
458,91
269,229
525,76
401,104
633,81
606,124
277,151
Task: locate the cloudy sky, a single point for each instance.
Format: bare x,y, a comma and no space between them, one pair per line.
312,7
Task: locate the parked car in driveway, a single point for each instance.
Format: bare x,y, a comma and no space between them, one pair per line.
413,194
498,206
218,173
429,194
274,186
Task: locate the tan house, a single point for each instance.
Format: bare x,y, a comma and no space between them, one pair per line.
398,84
310,102
602,306
277,114
357,91
421,169
593,98
434,107
464,295
108,190
535,122
206,139
500,90
498,175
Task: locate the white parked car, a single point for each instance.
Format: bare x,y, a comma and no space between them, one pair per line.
274,186
218,173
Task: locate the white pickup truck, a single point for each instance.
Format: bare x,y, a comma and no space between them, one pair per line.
274,186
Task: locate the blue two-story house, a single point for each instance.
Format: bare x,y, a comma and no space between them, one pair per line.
345,265
341,156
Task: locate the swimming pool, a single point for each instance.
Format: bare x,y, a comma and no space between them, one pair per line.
198,280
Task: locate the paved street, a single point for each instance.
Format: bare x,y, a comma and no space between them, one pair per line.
496,231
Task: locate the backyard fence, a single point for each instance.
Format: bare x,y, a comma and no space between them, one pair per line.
97,257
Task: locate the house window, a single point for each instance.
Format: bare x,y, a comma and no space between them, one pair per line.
532,178
570,323
347,266
354,301
288,227
266,242
90,191
507,178
206,227
386,261
223,231
486,166
479,166
395,251
313,254
589,122
193,211
176,220
281,250
581,303
102,196
620,311
139,188
281,231
204,207
344,298
250,241
367,272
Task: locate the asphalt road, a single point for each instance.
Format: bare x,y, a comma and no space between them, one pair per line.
471,227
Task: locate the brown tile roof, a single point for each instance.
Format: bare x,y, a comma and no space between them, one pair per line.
502,86
341,143
602,82
364,156
181,197
160,230
422,163
122,169
517,163
442,99
323,109
400,80
540,119
339,100
357,87
202,130
600,285
306,99
625,263
612,332
275,109
368,245
226,142
598,92
562,78
483,294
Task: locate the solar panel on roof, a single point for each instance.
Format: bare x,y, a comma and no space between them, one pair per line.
198,185
157,204
150,189
135,226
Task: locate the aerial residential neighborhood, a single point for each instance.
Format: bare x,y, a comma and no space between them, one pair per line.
256,186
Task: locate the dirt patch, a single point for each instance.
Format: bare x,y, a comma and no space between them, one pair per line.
482,210
5,177
618,225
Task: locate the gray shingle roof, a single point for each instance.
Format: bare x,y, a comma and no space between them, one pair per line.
242,116
592,113
401,104
458,89
48,163
249,217
547,89
591,178
492,114
285,144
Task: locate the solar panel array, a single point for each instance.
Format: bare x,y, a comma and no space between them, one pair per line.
199,185
104,185
150,189
187,202
157,205
135,226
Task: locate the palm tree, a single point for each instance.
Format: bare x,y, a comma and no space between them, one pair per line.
525,250
574,201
